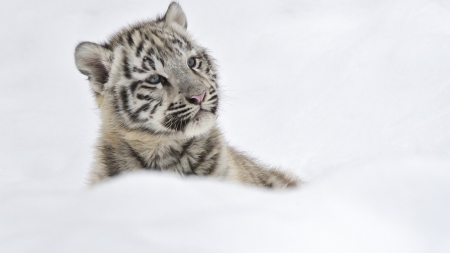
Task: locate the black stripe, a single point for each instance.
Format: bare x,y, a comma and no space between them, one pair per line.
176,107
213,109
160,51
152,63
263,178
136,156
151,51
277,174
148,87
161,60
142,108
130,38
185,147
109,158
157,33
197,72
187,144
174,153
209,148
139,48
126,107
177,41
134,85
200,64
124,97
168,47
206,57
144,66
153,109
213,97
126,67
180,112
152,41
136,69
190,163
116,100
172,164
178,51
154,163
213,166
122,41
146,129
144,97
188,44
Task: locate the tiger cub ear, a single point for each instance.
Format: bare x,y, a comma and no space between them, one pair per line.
175,16
94,61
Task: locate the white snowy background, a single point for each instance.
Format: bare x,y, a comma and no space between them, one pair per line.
353,96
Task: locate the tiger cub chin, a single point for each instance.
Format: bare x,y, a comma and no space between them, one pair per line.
158,95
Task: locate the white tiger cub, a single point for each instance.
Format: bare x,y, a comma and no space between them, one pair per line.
158,96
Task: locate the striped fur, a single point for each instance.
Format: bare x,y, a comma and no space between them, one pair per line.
144,88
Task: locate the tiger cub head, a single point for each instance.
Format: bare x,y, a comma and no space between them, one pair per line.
153,77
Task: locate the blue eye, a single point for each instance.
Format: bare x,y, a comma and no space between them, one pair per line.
191,62
154,79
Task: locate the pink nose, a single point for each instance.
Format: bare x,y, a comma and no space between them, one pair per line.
197,99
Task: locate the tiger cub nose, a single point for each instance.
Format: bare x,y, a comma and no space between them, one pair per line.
197,99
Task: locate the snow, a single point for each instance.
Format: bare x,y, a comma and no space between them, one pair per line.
352,96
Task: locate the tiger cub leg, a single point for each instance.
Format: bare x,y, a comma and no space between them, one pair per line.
245,169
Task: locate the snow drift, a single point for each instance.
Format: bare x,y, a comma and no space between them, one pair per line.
352,96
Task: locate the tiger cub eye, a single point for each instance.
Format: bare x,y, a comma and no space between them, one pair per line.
191,62
154,79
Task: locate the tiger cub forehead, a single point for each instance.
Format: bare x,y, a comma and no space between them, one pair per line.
152,33
155,37
161,46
